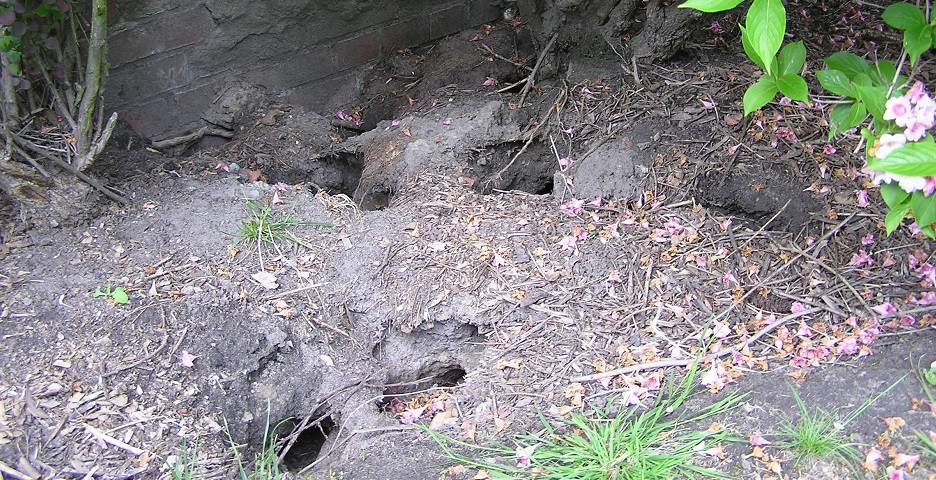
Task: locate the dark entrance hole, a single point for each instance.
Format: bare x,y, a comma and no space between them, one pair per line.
308,442
335,174
396,395
511,167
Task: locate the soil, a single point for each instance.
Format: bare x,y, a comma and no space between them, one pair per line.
450,264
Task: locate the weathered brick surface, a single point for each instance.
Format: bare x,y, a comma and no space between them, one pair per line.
171,58
448,19
161,33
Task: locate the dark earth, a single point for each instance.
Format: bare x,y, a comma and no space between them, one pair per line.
449,266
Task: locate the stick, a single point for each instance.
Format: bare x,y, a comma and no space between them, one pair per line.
58,161
113,441
687,361
539,61
192,137
13,473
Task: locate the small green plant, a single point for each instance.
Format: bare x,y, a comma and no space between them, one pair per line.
265,464
117,294
927,443
929,376
820,435
184,465
263,225
633,443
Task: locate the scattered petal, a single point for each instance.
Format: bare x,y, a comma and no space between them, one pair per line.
187,359
872,457
523,456
757,440
885,309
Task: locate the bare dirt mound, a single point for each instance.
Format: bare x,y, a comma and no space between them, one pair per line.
462,259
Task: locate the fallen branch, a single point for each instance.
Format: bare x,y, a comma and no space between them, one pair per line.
494,54
13,473
686,361
113,441
539,62
527,143
70,168
193,137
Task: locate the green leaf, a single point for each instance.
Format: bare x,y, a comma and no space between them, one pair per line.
98,293
903,16
915,159
886,73
792,58
766,24
836,82
14,69
895,216
794,86
874,99
749,50
916,40
758,94
924,209
930,376
848,63
847,116
711,6
120,295
893,195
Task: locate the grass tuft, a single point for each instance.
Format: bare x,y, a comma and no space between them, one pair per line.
263,225
184,465
820,435
265,463
631,443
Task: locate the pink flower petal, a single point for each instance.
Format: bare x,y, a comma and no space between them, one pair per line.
187,359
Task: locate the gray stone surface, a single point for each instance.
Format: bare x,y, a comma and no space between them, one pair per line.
170,59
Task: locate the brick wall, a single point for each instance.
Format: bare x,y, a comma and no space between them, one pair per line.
170,59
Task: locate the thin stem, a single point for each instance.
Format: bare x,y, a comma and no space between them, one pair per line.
97,46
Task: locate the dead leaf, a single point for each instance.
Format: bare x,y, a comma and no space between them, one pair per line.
438,419
469,429
884,440
759,454
252,175
500,424
265,279
574,393
894,423
454,471
514,364
406,132
481,475
715,427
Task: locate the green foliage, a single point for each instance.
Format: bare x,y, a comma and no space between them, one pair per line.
915,159
918,35
117,294
765,23
866,87
263,225
760,93
632,443
711,6
28,25
265,464
184,465
820,434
